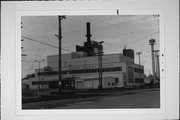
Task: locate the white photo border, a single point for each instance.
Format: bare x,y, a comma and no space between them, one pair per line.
11,98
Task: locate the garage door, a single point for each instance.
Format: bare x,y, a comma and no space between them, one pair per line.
95,84
88,84
79,84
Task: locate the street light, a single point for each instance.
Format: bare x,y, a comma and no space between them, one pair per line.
139,54
157,71
39,61
100,63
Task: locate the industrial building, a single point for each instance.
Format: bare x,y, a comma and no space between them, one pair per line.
89,67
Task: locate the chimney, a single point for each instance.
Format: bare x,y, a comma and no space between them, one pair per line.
88,29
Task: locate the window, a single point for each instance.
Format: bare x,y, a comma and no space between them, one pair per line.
35,82
109,84
75,71
116,80
138,80
78,71
119,68
113,69
138,70
85,70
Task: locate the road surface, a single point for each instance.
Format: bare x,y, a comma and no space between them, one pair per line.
144,98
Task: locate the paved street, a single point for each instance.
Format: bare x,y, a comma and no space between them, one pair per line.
145,98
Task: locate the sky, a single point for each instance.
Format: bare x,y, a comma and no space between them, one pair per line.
117,31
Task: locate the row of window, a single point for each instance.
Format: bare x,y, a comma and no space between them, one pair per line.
39,82
139,80
116,81
138,70
110,84
82,71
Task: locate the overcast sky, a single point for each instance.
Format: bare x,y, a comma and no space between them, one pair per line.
132,31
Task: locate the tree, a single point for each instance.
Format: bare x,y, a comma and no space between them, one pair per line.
150,77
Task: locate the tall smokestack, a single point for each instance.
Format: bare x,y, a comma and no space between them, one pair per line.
88,29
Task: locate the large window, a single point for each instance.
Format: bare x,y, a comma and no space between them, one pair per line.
138,70
116,80
139,80
82,71
41,82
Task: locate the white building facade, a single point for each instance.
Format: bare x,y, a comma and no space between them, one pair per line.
118,70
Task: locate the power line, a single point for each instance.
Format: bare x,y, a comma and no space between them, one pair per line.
46,44
131,42
69,62
39,42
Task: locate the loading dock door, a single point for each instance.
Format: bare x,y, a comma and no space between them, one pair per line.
79,84
95,84
88,84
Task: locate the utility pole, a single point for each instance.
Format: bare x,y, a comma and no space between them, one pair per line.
60,37
157,64
139,54
152,43
39,61
100,64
